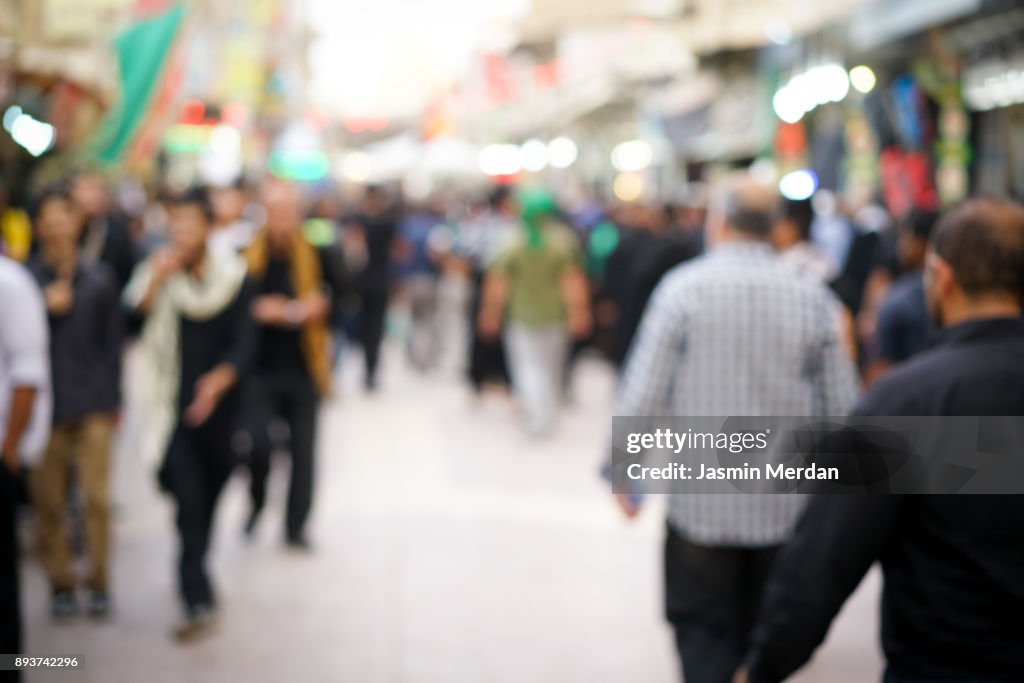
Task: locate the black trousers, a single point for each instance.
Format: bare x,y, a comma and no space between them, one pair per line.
198,464
486,356
10,593
372,314
712,596
291,398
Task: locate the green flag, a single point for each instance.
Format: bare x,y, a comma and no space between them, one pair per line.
142,51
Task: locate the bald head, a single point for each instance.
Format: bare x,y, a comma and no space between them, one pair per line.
283,203
748,208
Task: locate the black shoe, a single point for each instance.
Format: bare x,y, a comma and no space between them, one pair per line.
63,603
299,543
200,621
99,604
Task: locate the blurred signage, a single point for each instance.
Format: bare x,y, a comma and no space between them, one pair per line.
885,22
638,50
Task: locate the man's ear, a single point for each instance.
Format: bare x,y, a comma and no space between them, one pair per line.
944,280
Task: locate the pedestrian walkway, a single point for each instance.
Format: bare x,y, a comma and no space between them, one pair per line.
448,548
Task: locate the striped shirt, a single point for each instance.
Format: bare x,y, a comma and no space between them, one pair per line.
737,333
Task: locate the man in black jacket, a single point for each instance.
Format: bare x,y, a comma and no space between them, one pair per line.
953,565
106,238
295,286
83,306
197,341
376,226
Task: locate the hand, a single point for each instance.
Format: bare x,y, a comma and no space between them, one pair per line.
59,297
210,388
579,323
165,263
489,324
9,452
628,504
270,309
316,307
741,676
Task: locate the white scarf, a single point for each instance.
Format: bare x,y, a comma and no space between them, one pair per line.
160,367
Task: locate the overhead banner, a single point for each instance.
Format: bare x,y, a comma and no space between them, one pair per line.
142,54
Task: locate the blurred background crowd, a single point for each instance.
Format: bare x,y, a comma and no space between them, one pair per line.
403,243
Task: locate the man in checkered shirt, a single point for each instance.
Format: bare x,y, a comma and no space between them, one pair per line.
733,333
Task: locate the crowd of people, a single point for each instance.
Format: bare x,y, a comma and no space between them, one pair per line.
237,300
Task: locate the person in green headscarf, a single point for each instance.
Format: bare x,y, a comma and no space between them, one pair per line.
536,206
536,289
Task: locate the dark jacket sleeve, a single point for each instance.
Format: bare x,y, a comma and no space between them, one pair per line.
240,351
120,250
838,539
336,277
113,331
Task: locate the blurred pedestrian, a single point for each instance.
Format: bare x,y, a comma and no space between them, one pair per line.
83,303
658,248
232,230
24,420
903,327
479,243
197,341
106,237
791,237
954,580
295,286
376,226
422,238
536,289
733,332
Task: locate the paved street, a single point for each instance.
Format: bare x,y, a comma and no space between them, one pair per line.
449,547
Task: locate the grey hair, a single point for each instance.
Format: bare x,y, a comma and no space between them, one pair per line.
750,208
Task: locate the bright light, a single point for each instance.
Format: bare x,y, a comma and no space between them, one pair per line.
533,155
11,115
835,84
562,153
778,32
635,155
499,160
628,187
862,78
798,184
35,136
818,85
357,167
787,105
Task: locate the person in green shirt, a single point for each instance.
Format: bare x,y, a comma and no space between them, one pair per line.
536,289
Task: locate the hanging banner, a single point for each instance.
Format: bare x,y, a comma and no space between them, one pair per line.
142,53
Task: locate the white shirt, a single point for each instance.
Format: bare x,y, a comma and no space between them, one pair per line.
24,354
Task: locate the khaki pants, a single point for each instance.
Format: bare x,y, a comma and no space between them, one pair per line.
85,445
